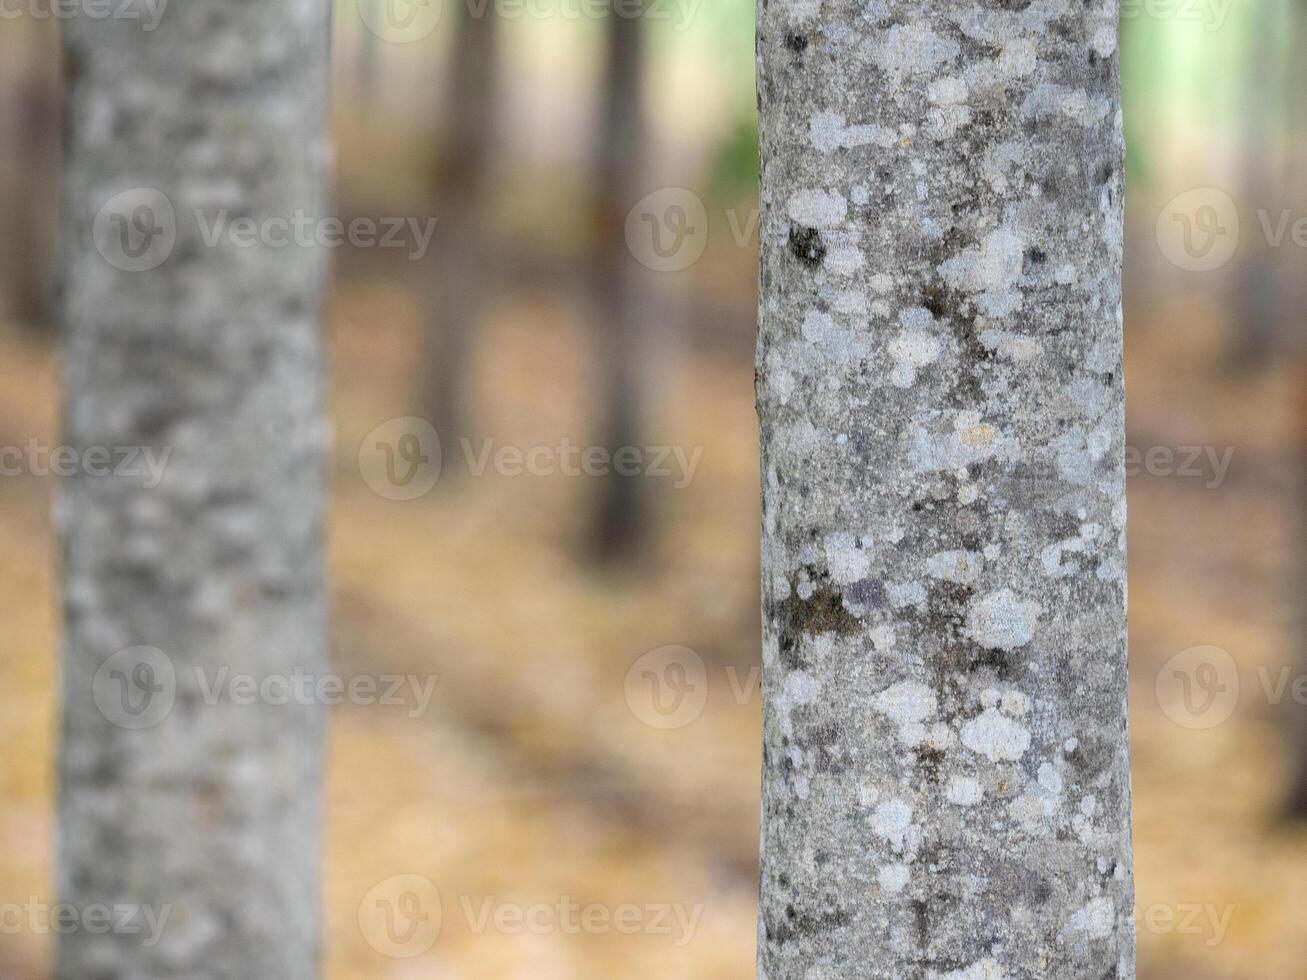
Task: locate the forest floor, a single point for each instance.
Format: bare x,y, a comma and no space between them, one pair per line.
531,778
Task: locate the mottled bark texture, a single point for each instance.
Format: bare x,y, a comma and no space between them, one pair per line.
211,815
946,780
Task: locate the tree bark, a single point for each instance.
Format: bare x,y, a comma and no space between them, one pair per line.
946,787
200,807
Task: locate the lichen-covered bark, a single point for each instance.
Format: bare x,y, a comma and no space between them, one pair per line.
211,813
946,786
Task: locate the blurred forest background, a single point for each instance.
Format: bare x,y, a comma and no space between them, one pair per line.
536,773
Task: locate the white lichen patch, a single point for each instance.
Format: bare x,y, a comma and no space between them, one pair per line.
996,736
800,688
1079,451
801,10
1097,918
1050,778
1002,621
947,91
904,594
993,264
830,131
846,560
962,567
892,820
845,260
971,440
912,49
818,209
987,969
912,350
1013,346
893,878
1052,99
964,791
909,704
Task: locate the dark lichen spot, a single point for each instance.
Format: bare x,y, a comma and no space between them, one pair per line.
802,923
822,612
796,42
930,761
807,246
869,592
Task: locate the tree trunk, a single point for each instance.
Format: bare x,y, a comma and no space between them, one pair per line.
465,254
29,138
1293,349
619,519
1257,308
946,787
174,794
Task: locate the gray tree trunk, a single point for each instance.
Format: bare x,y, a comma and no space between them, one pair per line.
205,813
946,789
620,518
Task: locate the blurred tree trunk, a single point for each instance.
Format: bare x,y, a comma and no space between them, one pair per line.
173,793
1296,804
1258,306
29,128
946,786
466,256
619,523
369,52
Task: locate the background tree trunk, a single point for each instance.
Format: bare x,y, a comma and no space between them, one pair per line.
466,257
619,519
946,787
29,139
209,810
1258,305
